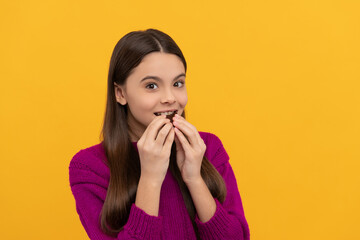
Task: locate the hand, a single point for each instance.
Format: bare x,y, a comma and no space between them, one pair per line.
154,148
190,149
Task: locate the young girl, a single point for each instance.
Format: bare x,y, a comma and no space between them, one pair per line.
154,176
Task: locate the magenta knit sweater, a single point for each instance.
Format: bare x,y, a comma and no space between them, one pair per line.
89,179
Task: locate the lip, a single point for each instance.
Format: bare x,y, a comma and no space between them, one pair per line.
171,110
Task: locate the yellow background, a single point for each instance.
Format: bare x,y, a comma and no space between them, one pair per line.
277,81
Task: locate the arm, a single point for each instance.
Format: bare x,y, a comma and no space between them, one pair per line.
203,200
89,190
228,221
148,196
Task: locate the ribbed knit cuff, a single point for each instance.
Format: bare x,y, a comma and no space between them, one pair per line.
220,226
142,225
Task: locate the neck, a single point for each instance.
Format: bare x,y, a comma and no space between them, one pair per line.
133,136
135,128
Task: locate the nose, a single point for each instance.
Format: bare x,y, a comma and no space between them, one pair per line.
168,97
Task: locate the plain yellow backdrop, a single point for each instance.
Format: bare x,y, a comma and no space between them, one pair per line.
277,81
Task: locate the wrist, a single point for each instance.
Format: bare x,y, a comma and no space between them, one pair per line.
150,182
148,196
194,181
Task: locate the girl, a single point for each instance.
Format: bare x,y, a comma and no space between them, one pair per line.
154,176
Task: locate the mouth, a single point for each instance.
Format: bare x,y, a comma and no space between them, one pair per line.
166,113
169,114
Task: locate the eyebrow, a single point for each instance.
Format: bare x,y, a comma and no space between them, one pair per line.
159,79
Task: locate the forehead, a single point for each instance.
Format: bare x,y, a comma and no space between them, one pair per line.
163,65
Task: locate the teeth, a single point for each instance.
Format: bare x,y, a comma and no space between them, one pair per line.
164,113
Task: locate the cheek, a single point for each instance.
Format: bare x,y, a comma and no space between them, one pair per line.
144,103
182,98
149,103
140,107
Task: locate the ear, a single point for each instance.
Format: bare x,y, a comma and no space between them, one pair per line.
120,94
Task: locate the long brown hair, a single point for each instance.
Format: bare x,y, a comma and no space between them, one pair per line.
122,157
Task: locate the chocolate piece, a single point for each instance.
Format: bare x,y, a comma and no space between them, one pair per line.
171,116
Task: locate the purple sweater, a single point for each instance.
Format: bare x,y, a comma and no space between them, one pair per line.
89,179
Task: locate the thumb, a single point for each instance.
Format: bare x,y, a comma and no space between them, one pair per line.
178,144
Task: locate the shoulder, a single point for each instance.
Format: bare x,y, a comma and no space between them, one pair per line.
92,155
215,151
91,159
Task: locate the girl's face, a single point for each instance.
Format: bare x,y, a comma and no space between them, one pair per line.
156,85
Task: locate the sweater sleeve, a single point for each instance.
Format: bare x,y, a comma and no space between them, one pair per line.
89,190
229,221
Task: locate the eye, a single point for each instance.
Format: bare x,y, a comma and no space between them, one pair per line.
179,82
151,86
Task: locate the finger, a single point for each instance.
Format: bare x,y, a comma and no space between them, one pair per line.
154,127
157,118
188,131
169,141
183,121
184,142
160,139
178,144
